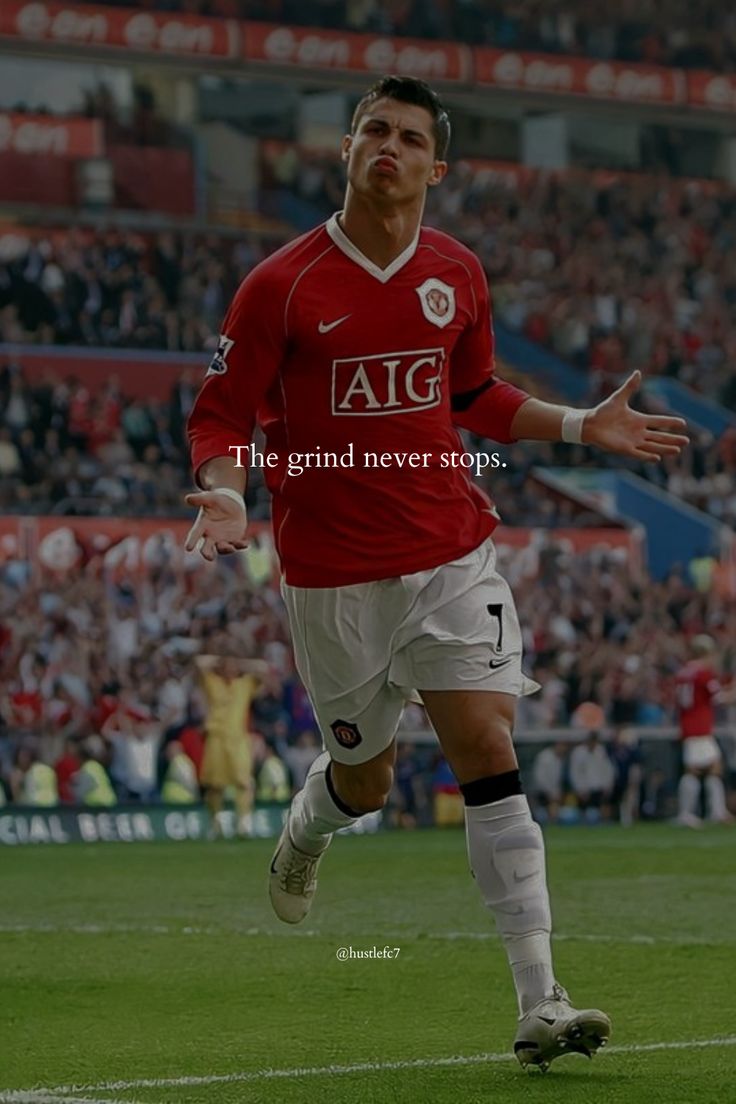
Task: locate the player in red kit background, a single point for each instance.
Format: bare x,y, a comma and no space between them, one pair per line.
373,333
699,688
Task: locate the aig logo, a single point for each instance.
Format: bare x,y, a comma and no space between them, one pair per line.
389,383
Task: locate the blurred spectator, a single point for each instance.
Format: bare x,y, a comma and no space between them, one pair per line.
654,795
33,782
447,802
92,784
272,779
191,739
549,780
592,777
300,756
66,768
135,737
626,759
180,785
10,461
407,799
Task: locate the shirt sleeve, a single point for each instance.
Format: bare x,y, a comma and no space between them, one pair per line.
247,361
480,401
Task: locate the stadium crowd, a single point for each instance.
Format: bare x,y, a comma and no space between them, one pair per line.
64,449
119,288
99,662
611,273
97,667
661,32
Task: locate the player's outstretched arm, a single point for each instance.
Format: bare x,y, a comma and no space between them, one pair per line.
612,425
221,523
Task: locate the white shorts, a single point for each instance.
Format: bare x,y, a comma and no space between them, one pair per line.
700,752
363,650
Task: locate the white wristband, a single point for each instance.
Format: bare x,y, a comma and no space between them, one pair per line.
572,425
231,493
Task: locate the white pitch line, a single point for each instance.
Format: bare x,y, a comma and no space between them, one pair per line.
310,933
51,1096
358,1067
37,1098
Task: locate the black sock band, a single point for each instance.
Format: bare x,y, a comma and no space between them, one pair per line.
484,791
333,794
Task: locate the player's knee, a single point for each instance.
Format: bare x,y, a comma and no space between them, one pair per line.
487,750
364,791
497,733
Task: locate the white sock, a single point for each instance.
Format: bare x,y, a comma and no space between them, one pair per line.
688,795
506,852
715,797
314,816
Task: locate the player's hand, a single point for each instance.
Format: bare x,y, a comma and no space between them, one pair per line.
615,427
219,527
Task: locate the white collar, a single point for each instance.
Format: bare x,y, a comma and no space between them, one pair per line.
343,242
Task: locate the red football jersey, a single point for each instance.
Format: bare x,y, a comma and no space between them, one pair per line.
331,354
696,686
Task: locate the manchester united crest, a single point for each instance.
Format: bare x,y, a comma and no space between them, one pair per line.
438,302
346,733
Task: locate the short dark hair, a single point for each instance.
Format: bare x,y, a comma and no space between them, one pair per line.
412,91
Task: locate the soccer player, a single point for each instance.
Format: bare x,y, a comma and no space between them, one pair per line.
698,689
229,685
371,337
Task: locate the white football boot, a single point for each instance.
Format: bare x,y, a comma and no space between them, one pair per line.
293,880
553,1027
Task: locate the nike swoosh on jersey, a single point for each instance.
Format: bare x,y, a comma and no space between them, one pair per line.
495,664
325,327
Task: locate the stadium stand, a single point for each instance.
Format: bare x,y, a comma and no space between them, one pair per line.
118,288
115,454
96,640
606,270
662,33
610,272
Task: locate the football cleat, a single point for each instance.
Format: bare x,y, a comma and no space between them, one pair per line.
553,1027
293,880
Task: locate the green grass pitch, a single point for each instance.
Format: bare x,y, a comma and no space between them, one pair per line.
155,974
